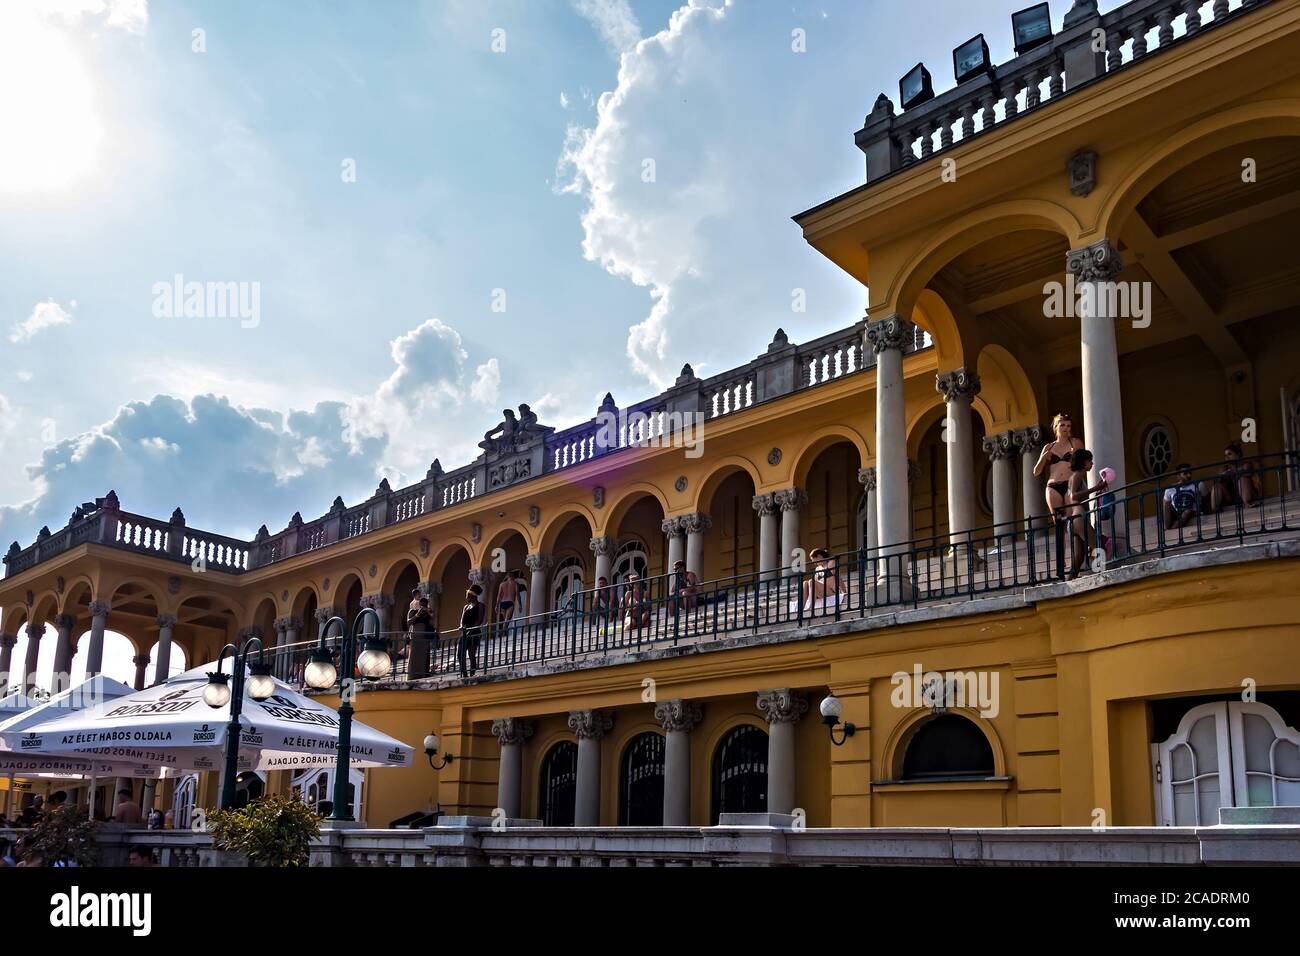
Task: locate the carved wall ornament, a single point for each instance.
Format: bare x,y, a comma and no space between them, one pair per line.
476,532
598,496
534,516
1082,167
424,547
174,584
680,483
58,585
374,569
326,585
774,456
284,595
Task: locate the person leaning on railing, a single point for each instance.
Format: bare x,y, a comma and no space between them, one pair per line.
471,623
684,588
635,606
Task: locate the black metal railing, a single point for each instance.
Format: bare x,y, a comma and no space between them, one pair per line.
1231,501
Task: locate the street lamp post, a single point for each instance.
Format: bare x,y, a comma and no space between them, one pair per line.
373,663
222,689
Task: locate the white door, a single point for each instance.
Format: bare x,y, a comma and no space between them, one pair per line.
316,787
1193,769
1225,754
184,792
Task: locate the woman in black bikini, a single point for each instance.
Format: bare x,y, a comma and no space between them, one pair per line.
1055,460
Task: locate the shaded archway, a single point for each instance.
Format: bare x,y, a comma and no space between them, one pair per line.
641,782
568,541
739,772
830,516
557,785
727,497
637,527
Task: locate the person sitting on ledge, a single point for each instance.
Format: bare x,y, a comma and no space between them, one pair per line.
1182,502
636,609
1237,483
684,588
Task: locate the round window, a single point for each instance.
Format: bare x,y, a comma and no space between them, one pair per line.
1157,450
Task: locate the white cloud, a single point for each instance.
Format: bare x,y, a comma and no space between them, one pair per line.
44,315
23,375
487,383
8,418
564,100
614,21
129,15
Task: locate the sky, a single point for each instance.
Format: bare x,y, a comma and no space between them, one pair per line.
427,211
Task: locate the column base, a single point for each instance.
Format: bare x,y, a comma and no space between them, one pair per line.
895,587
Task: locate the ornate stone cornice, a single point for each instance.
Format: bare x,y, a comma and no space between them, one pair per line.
602,546
867,478
1099,262
892,332
100,608
140,660
791,499
539,562
678,716
958,383
511,730
697,522
1030,440
590,724
1001,446
165,620
672,527
782,705
64,622
765,505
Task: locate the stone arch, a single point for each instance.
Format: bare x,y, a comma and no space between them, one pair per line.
721,470
1007,398
79,588
263,617
45,607
818,441
346,596
560,521
397,566
1262,120
905,287
304,601
496,536
445,554
903,732
206,620
627,498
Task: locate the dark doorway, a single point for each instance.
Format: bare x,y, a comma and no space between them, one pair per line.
740,772
641,782
558,790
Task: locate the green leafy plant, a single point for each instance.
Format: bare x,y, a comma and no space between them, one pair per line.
272,831
61,834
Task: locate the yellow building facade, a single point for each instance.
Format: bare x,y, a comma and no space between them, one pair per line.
1165,166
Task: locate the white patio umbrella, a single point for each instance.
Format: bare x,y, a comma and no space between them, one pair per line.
171,725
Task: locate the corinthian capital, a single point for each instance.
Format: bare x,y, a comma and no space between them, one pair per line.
678,716
1098,262
672,527
511,730
765,505
99,608
1001,446
1030,440
782,706
378,601
590,724
539,562
165,620
791,499
893,332
696,522
959,383
867,478
323,614
602,546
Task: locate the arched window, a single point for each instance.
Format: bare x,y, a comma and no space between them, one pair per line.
740,772
557,792
566,582
641,782
315,788
249,786
947,745
630,557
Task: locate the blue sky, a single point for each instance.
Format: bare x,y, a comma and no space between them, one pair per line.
484,178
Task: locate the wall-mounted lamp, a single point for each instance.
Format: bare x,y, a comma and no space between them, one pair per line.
832,710
431,751
1031,27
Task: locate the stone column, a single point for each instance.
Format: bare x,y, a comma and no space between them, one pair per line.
63,653
589,726
791,502
678,718
1030,442
510,732
95,653
696,526
893,512
674,530
782,708
7,643
1095,269
959,387
603,548
1001,449
163,668
867,478
538,598
141,662
769,544
383,604
35,632
323,615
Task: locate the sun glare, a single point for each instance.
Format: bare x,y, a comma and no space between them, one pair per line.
49,133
